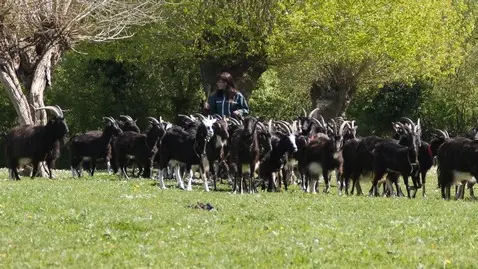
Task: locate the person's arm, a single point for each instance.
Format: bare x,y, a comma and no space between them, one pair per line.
243,108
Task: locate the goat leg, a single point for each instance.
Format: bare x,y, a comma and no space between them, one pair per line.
202,169
459,191
123,172
190,178
470,186
93,167
161,178
327,180
405,180
252,168
108,167
177,171
35,169
424,180
286,178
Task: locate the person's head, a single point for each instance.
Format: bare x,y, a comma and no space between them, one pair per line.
225,81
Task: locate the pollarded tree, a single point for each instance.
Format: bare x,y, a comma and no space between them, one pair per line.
340,46
35,33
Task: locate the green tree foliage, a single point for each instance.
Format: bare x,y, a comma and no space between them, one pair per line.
347,45
272,101
453,104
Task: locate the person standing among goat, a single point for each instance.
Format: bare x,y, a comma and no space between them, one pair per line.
226,100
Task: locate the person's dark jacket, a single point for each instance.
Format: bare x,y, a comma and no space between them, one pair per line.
219,104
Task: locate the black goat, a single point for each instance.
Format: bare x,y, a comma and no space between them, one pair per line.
127,124
457,163
188,148
248,145
392,157
92,146
408,136
31,144
140,147
273,160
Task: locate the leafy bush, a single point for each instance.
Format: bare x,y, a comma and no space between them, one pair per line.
375,109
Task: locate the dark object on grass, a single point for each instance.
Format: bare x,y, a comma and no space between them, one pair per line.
202,206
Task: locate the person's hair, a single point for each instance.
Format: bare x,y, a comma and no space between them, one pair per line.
230,90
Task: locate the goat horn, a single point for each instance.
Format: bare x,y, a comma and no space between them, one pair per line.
447,134
110,120
60,110
55,110
408,120
334,126
128,118
201,116
418,126
305,112
262,125
186,116
312,112
318,122
323,121
115,122
153,120
288,126
405,127
441,132
342,126
231,119
284,125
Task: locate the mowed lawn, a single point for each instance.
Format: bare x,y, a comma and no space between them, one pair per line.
104,222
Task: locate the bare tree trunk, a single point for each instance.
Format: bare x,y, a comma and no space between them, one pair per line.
42,78
333,91
332,102
14,90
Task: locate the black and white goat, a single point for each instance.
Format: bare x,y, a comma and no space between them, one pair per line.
92,146
140,147
32,143
457,164
217,146
188,148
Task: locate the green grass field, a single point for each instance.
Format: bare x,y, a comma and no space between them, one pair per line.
104,222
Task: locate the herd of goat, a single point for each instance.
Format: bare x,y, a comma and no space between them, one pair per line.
307,148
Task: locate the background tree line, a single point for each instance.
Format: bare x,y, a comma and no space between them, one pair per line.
370,60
